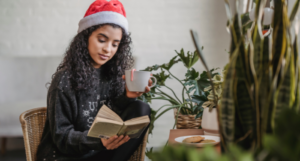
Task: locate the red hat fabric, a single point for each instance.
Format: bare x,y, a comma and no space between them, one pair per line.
101,12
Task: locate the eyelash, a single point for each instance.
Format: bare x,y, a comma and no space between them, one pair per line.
104,41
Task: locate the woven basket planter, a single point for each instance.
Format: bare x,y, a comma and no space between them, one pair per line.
187,121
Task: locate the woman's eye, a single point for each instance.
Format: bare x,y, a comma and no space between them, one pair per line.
101,41
115,45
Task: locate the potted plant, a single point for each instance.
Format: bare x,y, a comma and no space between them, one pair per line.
262,78
209,118
188,111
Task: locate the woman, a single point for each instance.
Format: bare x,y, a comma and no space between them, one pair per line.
90,75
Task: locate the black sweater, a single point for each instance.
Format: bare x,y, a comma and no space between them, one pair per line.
69,117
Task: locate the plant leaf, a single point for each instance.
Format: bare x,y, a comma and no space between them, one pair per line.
295,10
166,99
152,119
284,96
166,110
189,60
203,82
161,78
279,37
227,109
191,80
170,64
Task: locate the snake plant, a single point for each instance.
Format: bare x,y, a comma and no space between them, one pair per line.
262,78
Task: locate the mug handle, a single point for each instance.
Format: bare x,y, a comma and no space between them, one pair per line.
153,83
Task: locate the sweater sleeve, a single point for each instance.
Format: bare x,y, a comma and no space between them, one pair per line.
122,101
61,112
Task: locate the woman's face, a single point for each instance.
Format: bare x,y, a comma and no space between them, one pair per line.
103,44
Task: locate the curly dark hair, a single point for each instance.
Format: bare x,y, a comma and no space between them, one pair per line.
78,63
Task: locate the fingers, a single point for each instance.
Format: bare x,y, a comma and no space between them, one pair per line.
106,142
117,142
123,77
114,144
138,94
124,140
150,82
147,89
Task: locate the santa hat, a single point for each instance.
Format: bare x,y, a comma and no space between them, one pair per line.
102,12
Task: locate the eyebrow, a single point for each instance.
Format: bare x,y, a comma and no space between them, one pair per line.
107,37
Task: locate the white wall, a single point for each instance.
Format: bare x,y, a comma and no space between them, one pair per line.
158,27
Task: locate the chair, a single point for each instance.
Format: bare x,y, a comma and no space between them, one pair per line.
33,122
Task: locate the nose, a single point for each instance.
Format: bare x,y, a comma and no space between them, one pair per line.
107,48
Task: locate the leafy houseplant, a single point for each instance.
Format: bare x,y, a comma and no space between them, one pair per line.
262,78
209,119
217,80
192,86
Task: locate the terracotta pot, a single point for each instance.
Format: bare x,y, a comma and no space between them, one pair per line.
210,122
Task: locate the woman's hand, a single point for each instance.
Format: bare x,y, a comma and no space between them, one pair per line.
114,142
130,94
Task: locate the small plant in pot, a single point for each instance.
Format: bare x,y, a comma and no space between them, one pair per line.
187,108
209,118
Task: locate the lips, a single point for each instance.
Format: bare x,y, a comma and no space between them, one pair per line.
103,57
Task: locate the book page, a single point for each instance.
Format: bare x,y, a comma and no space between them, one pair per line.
135,127
107,113
122,130
104,129
138,120
99,119
133,131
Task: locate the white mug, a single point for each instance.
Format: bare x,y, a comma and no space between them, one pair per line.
139,81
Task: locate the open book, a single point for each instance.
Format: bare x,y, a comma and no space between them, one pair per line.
107,123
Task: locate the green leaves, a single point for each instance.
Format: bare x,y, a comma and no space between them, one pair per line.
191,79
199,100
295,10
188,60
217,81
203,81
283,144
161,78
227,109
283,95
262,77
192,74
279,36
147,97
152,119
152,68
208,153
149,153
166,66
170,64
